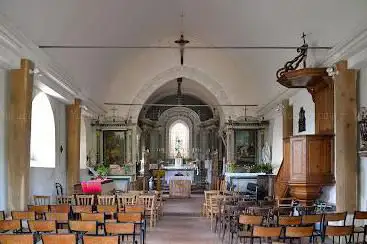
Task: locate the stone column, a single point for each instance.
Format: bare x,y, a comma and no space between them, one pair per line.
73,113
19,134
230,145
128,146
345,106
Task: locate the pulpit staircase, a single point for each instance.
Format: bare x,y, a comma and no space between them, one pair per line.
281,186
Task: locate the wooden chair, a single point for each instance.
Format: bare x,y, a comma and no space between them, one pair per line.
248,222
136,218
299,232
83,227
159,203
149,203
23,215
129,217
60,218
106,200
14,226
205,205
85,200
122,230
289,220
64,200
58,239
333,219
266,232
97,217
313,220
42,226
108,210
100,239
16,238
339,231
212,209
61,208
40,210
358,228
78,209
41,200
2,215
124,200
135,209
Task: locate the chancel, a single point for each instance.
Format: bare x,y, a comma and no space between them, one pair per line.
183,121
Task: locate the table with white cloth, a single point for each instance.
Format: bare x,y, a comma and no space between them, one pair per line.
180,186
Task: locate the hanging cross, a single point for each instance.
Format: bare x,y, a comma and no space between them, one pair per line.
303,36
182,42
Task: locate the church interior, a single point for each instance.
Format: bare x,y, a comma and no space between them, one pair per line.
183,121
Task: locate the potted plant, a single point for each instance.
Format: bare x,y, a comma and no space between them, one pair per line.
102,170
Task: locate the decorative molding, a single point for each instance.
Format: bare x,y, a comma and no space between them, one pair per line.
14,46
347,48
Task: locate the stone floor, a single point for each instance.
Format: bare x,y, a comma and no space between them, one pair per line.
182,224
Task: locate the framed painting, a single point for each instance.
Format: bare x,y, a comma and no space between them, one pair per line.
114,147
245,146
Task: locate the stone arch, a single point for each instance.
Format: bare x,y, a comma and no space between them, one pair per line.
173,73
184,114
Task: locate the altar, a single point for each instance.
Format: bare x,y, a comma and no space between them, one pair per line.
188,172
179,186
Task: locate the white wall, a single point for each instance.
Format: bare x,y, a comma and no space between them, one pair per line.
276,126
303,99
42,180
3,119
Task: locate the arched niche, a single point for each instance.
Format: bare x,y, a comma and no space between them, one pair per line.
172,115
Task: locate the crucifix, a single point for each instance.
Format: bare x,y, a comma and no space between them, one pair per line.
304,44
182,42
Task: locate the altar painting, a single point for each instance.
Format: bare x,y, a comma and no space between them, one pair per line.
245,146
114,147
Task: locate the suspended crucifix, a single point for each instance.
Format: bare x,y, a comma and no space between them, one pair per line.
181,42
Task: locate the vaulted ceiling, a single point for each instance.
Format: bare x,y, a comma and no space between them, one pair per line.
118,75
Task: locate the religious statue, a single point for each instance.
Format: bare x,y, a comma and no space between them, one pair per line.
266,154
178,146
302,120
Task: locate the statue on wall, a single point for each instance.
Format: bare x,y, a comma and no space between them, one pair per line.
302,120
266,154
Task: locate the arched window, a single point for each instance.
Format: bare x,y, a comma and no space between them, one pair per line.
42,133
179,136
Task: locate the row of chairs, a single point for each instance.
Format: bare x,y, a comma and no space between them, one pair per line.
125,224
319,222
57,239
280,233
152,202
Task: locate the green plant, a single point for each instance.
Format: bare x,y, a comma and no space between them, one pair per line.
232,167
262,168
102,169
267,168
